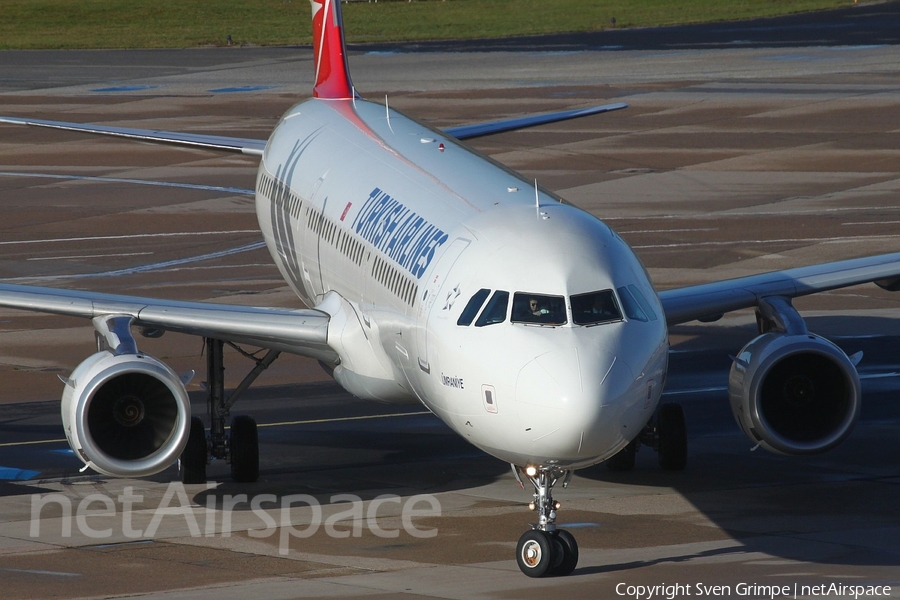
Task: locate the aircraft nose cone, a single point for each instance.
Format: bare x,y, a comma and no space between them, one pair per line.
564,379
552,380
566,403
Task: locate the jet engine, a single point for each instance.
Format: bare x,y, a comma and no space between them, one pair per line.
794,394
126,415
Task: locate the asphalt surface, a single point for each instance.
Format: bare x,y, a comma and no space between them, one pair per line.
732,159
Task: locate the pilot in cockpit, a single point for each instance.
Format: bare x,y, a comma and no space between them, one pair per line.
603,306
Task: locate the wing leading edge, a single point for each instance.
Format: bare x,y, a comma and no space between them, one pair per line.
196,140
255,147
467,132
303,332
710,300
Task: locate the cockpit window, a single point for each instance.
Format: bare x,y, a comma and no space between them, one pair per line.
595,308
635,304
536,308
472,308
495,311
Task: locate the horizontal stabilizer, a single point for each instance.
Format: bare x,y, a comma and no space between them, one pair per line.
467,132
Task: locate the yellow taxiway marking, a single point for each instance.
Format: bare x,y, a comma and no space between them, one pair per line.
283,423
337,419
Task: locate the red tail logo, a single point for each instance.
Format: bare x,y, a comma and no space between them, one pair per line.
329,54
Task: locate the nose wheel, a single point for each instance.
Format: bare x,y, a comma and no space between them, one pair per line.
545,550
534,553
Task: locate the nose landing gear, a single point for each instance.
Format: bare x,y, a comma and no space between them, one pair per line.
545,550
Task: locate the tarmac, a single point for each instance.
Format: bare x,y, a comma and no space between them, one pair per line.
731,159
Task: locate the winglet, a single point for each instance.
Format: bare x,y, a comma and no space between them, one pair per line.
329,53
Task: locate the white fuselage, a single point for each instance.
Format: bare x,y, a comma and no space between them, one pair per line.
392,228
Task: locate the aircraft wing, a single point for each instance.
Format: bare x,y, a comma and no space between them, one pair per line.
256,147
196,140
467,132
708,301
303,332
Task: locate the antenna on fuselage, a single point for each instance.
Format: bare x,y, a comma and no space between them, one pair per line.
387,112
537,202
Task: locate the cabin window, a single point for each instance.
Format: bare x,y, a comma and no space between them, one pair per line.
539,309
595,308
495,311
472,307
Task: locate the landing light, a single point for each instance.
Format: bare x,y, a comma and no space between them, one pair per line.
530,471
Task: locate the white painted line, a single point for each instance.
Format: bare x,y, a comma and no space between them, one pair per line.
261,425
127,237
36,572
705,390
145,268
669,230
90,256
190,186
828,240
725,215
878,375
181,261
873,223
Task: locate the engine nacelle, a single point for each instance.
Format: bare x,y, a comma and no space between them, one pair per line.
126,415
794,394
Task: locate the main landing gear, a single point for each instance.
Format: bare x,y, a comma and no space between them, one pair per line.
241,447
666,433
545,550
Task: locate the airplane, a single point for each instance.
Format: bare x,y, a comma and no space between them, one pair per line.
438,276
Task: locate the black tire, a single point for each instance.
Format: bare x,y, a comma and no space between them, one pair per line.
195,454
623,460
672,437
244,449
569,554
534,553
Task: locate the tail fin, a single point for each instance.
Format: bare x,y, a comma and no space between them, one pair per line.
329,53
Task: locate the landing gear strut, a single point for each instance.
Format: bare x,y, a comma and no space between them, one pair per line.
666,433
241,448
545,550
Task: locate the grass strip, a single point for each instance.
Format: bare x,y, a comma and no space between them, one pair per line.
46,24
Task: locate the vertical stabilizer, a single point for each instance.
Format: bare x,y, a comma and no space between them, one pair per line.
329,54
